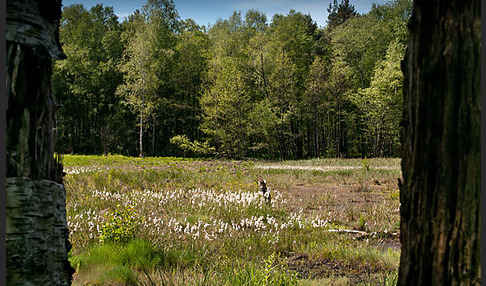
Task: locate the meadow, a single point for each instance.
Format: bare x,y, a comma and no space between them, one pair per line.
177,221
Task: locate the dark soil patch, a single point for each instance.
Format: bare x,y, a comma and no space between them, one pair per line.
315,197
308,268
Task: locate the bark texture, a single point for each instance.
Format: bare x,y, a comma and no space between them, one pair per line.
30,114
35,23
37,234
441,160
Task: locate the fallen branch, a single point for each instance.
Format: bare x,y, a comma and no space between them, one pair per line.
364,234
348,231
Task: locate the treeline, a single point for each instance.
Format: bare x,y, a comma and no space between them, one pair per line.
245,87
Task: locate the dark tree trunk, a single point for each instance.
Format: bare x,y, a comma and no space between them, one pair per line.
37,233
140,136
153,137
441,145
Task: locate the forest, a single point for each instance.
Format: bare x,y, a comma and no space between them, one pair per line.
246,87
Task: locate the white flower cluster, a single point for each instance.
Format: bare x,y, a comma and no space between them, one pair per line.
88,222
160,221
80,170
318,223
224,199
104,195
212,229
196,197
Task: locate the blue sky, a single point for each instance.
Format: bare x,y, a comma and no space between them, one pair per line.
207,12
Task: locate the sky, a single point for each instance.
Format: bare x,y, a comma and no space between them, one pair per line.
208,12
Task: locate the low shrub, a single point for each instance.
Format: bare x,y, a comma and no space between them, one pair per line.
120,225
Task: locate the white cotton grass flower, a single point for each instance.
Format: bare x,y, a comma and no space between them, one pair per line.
157,220
80,170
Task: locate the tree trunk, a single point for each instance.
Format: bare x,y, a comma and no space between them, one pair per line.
440,194
141,135
37,234
153,136
338,132
265,85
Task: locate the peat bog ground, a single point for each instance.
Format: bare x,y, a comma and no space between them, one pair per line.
174,221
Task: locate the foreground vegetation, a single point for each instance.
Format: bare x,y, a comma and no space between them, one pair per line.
171,221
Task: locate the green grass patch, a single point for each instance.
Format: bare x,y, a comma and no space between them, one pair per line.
111,160
126,262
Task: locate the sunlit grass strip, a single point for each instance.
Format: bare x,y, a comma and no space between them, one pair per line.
89,160
322,168
341,162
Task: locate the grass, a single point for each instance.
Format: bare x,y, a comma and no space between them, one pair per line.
110,160
373,162
203,222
